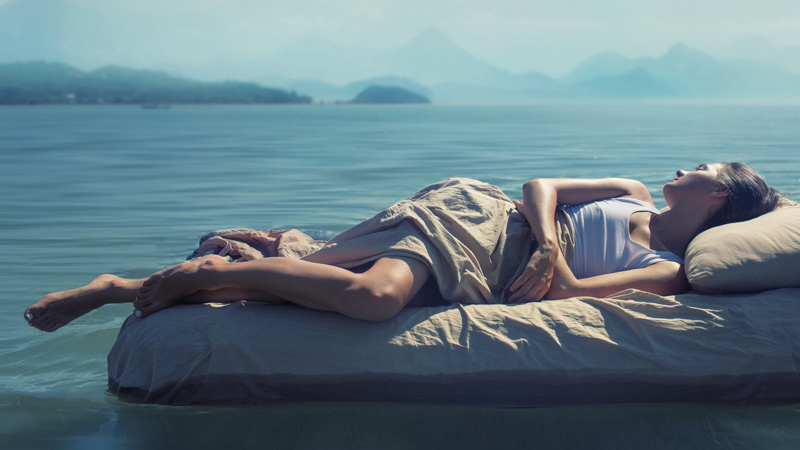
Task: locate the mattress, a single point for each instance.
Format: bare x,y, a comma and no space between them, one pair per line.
631,347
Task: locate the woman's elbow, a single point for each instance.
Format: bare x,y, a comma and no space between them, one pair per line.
536,183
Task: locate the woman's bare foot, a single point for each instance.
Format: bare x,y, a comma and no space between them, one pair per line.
165,288
57,309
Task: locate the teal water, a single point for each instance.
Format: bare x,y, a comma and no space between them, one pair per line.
124,190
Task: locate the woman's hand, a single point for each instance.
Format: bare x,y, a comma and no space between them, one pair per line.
535,280
520,207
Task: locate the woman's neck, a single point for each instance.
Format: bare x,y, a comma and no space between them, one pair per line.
673,229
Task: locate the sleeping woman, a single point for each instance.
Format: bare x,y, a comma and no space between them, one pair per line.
566,238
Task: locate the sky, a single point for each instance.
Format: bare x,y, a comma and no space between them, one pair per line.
547,36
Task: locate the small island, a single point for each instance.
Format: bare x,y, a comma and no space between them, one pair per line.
376,95
42,83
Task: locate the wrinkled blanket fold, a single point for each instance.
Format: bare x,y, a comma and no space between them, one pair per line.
467,232
245,244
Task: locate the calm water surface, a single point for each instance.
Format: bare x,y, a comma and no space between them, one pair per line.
89,190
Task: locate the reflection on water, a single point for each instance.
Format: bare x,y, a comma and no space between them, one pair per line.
31,422
437,427
79,423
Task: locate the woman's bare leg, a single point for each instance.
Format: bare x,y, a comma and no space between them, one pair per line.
377,294
57,309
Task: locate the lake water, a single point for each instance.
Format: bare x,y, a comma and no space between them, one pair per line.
126,190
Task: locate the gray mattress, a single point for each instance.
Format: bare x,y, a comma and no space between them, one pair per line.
633,347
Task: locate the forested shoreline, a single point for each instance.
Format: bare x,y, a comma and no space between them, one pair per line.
39,83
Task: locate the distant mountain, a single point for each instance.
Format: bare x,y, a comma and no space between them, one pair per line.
431,65
404,83
534,81
387,95
431,58
684,72
600,65
328,92
637,83
48,83
428,58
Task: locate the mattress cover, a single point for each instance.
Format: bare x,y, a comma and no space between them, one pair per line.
631,347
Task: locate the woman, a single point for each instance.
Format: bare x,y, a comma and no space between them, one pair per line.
478,245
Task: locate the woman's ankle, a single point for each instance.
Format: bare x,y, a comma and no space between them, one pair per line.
210,271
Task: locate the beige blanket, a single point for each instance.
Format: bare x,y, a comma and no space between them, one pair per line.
468,233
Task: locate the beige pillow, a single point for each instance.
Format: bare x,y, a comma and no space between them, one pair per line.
752,256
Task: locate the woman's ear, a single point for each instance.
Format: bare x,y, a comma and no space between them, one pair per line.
720,193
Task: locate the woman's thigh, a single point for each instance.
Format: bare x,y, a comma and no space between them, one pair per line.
386,288
406,275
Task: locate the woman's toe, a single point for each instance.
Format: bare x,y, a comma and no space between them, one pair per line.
46,325
149,309
37,321
142,312
141,300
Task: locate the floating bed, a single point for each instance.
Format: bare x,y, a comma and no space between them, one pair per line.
630,347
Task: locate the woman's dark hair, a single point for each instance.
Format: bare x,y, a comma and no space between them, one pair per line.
749,196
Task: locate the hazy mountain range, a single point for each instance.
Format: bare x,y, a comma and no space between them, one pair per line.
433,66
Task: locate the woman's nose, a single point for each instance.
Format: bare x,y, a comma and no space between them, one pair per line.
680,173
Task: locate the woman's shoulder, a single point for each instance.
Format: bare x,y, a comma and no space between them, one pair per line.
639,192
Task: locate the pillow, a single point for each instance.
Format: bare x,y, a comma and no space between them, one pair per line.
752,256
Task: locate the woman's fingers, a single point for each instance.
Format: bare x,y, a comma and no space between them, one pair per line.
535,280
532,285
532,289
527,295
520,280
518,292
529,275
537,292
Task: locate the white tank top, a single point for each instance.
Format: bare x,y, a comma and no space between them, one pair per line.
603,241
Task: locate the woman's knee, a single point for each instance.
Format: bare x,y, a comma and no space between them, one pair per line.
385,289
375,301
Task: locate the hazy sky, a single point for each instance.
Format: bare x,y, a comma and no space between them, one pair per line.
517,35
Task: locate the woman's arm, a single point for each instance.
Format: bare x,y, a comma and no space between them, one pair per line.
664,278
540,198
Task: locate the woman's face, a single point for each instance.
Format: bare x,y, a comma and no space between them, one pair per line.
695,185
